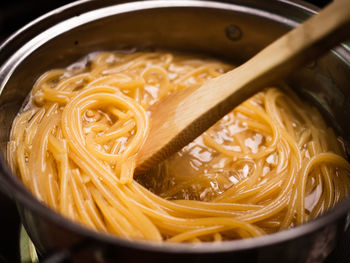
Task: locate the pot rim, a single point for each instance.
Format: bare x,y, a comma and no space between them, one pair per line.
15,189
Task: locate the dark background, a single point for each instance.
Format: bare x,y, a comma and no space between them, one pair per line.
13,15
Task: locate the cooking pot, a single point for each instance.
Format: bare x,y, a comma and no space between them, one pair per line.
233,31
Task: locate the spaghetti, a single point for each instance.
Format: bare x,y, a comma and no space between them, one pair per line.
270,164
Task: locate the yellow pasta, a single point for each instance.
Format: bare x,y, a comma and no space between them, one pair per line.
270,164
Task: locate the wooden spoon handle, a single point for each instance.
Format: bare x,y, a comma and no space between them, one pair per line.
184,115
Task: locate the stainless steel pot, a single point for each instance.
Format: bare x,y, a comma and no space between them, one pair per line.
233,31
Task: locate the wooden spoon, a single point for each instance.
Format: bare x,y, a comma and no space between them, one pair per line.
184,115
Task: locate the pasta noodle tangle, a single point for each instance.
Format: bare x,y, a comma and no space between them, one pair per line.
270,164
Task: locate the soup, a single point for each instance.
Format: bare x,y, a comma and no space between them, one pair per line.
270,164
